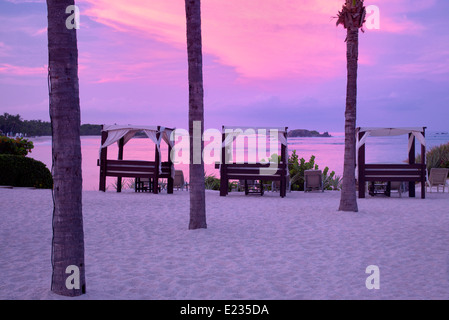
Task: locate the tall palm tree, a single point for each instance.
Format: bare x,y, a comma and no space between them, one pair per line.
68,276
196,115
352,17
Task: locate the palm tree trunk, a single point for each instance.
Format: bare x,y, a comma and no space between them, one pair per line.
68,235
196,115
348,201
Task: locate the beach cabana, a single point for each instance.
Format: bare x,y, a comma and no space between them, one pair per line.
120,168
410,172
231,169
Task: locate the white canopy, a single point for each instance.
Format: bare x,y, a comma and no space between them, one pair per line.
383,132
116,132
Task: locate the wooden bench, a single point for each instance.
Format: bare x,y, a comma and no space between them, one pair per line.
252,171
135,169
411,173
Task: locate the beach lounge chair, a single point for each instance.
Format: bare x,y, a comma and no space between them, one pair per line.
179,182
437,177
313,180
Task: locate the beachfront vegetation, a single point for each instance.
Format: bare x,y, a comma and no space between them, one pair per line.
126,184
436,157
213,183
297,167
17,146
12,124
20,171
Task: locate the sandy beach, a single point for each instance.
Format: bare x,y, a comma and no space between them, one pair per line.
137,246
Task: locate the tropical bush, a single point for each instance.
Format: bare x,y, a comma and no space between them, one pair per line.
20,171
297,167
436,157
126,184
331,181
17,146
213,183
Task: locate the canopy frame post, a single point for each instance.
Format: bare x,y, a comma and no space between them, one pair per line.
170,180
103,158
424,167
157,158
121,144
223,173
411,160
284,161
361,167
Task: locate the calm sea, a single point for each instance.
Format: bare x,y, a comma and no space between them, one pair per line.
328,152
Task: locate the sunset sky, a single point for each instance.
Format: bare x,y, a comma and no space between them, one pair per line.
266,63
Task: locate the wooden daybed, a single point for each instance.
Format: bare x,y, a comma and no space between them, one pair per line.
137,169
231,170
410,172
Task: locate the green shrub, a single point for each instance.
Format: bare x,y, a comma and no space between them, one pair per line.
213,183
331,181
17,146
436,157
298,166
20,171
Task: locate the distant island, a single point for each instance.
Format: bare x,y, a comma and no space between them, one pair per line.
307,134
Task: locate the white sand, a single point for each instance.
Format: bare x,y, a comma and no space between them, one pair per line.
138,247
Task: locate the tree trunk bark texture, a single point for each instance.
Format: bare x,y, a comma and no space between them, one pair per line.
196,115
68,234
348,201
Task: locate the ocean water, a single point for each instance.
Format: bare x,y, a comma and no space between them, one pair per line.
328,152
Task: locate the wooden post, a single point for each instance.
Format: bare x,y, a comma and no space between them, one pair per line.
361,167
284,160
170,179
156,166
423,166
121,143
103,159
223,173
411,160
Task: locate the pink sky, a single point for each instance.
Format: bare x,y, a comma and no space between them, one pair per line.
279,63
